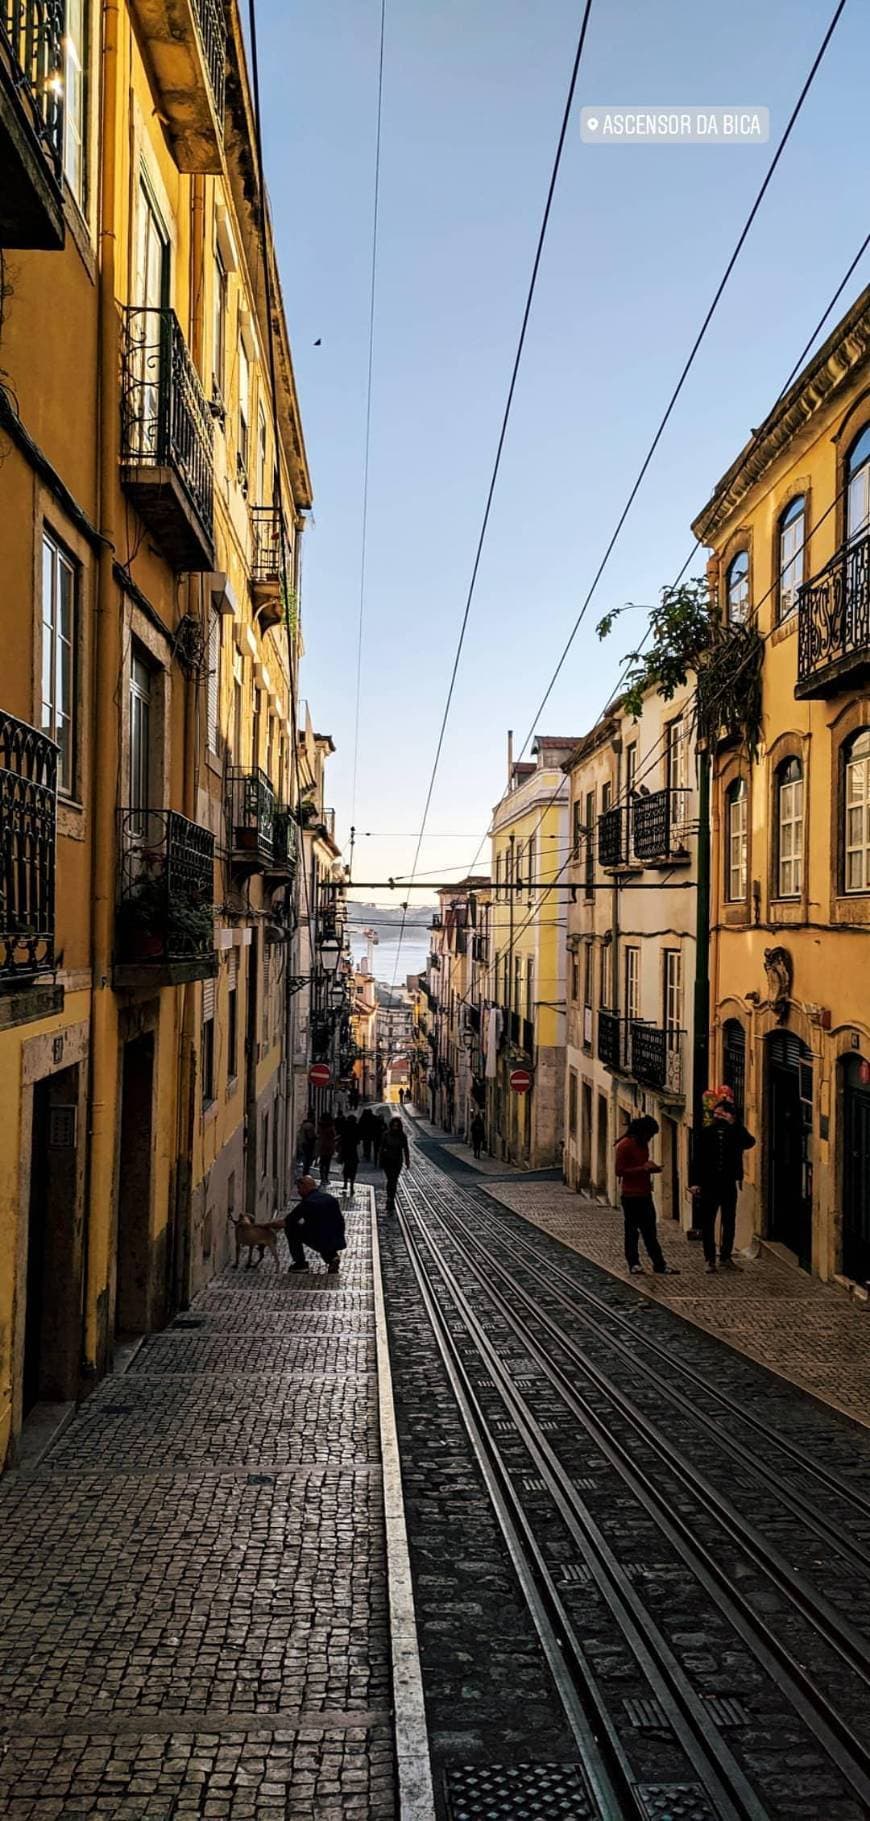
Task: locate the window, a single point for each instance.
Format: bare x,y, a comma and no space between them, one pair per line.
213,682
577,830
262,450
232,1014
857,827
678,780
789,812
264,1159
530,989
606,797
498,875
736,842
207,1047
531,866
673,989
632,984
590,845
858,483
59,615
219,325
140,741
238,687
630,767
244,408
606,976
792,533
255,730
737,589
587,973
572,1102
74,99
575,977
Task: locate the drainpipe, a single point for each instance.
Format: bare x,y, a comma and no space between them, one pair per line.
701,1032
108,657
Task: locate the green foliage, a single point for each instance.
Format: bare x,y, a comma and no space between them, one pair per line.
183,924
686,639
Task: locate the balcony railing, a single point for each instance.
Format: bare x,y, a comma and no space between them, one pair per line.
658,825
285,845
270,565
167,437
165,917
610,1039
834,623
657,1057
612,838
28,815
251,818
31,123
213,32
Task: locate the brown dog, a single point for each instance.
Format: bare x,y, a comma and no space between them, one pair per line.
256,1236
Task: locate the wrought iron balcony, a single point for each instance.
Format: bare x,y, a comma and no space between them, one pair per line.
270,565
611,1040
658,825
834,624
28,814
285,846
184,45
251,819
612,839
31,123
164,927
167,438
657,1057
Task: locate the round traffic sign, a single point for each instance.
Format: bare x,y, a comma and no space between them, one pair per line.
319,1075
521,1080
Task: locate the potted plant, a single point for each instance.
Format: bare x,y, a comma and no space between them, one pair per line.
142,914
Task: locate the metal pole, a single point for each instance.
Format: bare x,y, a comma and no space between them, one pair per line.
701,1030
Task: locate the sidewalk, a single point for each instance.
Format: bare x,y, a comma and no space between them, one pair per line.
809,1333
193,1583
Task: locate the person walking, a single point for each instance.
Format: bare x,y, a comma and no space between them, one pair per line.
718,1169
393,1154
349,1153
316,1220
366,1128
326,1140
478,1133
379,1126
307,1143
635,1172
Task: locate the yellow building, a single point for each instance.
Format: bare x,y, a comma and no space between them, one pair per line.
529,844
455,1018
789,527
150,520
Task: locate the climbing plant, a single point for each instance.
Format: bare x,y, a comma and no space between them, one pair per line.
686,638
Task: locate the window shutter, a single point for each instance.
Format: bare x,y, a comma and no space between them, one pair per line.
207,1000
213,661
232,969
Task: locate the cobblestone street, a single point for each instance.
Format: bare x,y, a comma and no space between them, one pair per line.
194,1609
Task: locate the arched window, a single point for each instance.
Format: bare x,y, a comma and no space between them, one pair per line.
856,830
858,484
737,588
792,532
789,812
736,854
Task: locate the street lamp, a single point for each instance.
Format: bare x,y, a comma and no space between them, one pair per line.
330,954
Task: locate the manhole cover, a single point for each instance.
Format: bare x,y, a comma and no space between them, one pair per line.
675,1802
260,1479
518,1792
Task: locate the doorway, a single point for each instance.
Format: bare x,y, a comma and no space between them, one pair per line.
585,1132
53,1288
132,1310
855,1112
789,1126
601,1147
670,1168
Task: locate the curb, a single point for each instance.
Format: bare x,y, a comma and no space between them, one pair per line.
416,1794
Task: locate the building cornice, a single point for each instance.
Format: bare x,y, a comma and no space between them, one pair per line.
835,366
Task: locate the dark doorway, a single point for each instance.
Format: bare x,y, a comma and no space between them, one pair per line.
855,1107
585,1132
734,1061
132,1310
789,1130
602,1147
53,1306
670,1168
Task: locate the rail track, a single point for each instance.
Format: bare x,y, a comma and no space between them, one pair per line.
703,1670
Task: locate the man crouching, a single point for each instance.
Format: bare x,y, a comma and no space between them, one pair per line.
317,1220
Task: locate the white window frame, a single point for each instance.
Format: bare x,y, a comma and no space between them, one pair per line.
59,723
141,707
737,800
737,609
792,538
856,817
244,406
789,831
673,989
632,984
219,322
213,681
75,121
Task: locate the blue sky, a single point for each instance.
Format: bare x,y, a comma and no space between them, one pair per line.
639,237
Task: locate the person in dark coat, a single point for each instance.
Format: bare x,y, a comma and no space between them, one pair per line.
307,1144
366,1128
393,1154
635,1172
316,1221
379,1127
326,1141
478,1134
718,1172
349,1152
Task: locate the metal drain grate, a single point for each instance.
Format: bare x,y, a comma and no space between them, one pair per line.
532,1482
727,1710
644,1713
574,1574
260,1479
518,1792
675,1802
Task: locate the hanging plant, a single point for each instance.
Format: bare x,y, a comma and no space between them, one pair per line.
728,697
685,639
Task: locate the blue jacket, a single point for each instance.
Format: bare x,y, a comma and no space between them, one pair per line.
321,1221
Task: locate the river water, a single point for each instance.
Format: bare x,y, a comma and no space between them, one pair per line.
412,959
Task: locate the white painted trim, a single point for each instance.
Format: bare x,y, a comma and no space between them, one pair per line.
416,1794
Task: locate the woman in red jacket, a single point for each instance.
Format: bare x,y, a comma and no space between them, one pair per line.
635,1173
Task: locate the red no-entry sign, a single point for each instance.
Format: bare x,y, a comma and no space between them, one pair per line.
319,1075
521,1080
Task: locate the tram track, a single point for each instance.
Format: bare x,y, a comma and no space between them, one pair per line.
445,1254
